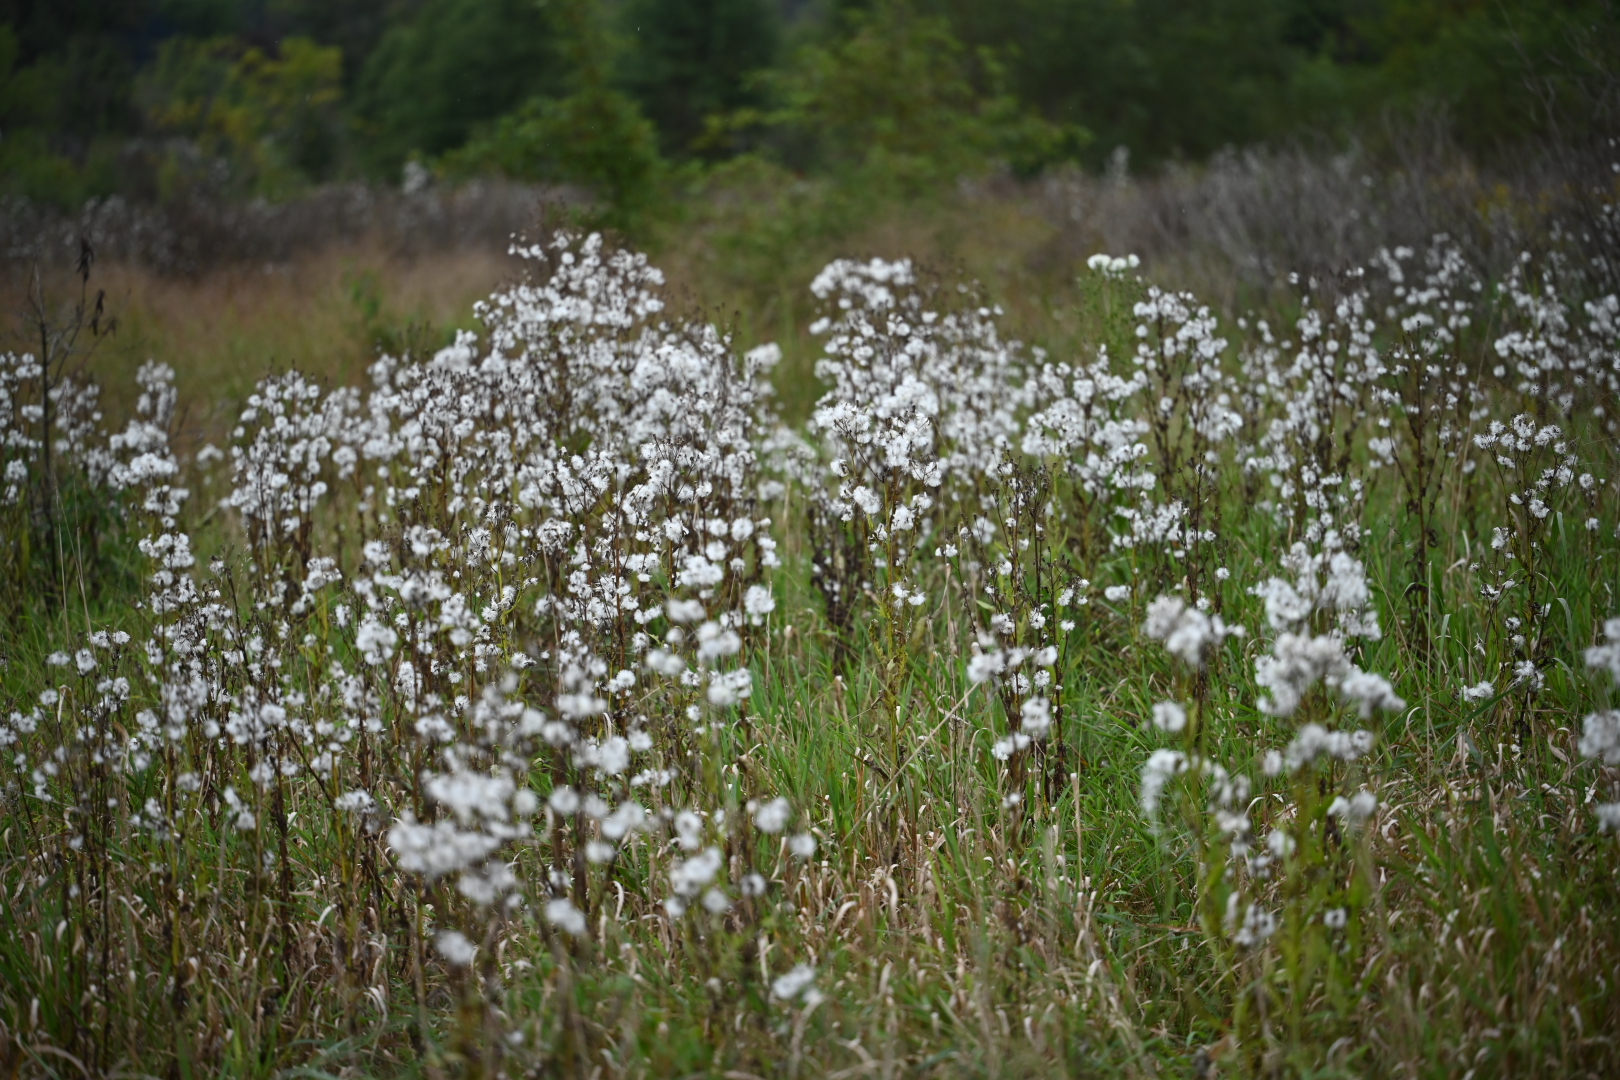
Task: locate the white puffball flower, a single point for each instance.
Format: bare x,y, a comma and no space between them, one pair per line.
561,913
774,816
563,801
358,802
684,611
1600,737
791,985
758,601
1036,718
983,666
1188,633
1607,655
1157,772
455,948
375,641
1169,716
1356,809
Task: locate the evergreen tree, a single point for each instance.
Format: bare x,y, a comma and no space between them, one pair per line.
687,60
458,64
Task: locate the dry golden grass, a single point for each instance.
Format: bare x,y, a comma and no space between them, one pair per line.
329,312
326,313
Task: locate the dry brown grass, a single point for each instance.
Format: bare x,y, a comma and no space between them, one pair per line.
325,313
328,312
745,249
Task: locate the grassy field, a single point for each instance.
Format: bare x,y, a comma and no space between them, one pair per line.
1023,671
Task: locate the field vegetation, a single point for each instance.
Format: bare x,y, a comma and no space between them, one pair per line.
743,540
1195,692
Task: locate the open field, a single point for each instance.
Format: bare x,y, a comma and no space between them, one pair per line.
1020,669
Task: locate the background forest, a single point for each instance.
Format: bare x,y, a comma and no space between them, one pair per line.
636,100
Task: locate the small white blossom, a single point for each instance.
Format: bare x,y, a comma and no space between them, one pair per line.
454,947
791,985
1169,716
773,817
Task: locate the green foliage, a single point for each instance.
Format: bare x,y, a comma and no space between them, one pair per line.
79,52
1506,71
272,118
1168,79
356,27
61,521
50,115
900,95
1160,77
689,59
457,64
595,137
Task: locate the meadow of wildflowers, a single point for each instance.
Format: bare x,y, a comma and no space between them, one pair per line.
1230,696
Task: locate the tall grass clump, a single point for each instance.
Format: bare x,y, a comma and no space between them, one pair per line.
1224,695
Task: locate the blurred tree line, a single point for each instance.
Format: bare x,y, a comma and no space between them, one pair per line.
160,99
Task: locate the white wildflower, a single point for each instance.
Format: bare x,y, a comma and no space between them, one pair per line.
454,947
1606,656
375,641
1157,772
1188,633
1169,716
791,985
561,913
1600,736
773,817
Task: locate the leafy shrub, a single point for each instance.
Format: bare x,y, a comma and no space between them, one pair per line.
687,60
457,64
595,137
898,96
272,119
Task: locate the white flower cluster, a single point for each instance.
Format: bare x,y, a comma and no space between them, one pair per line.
1549,352
1082,422
529,521
1320,387
1112,266
1325,583
1533,479
1600,732
1188,634
1190,413
934,387
281,459
39,408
